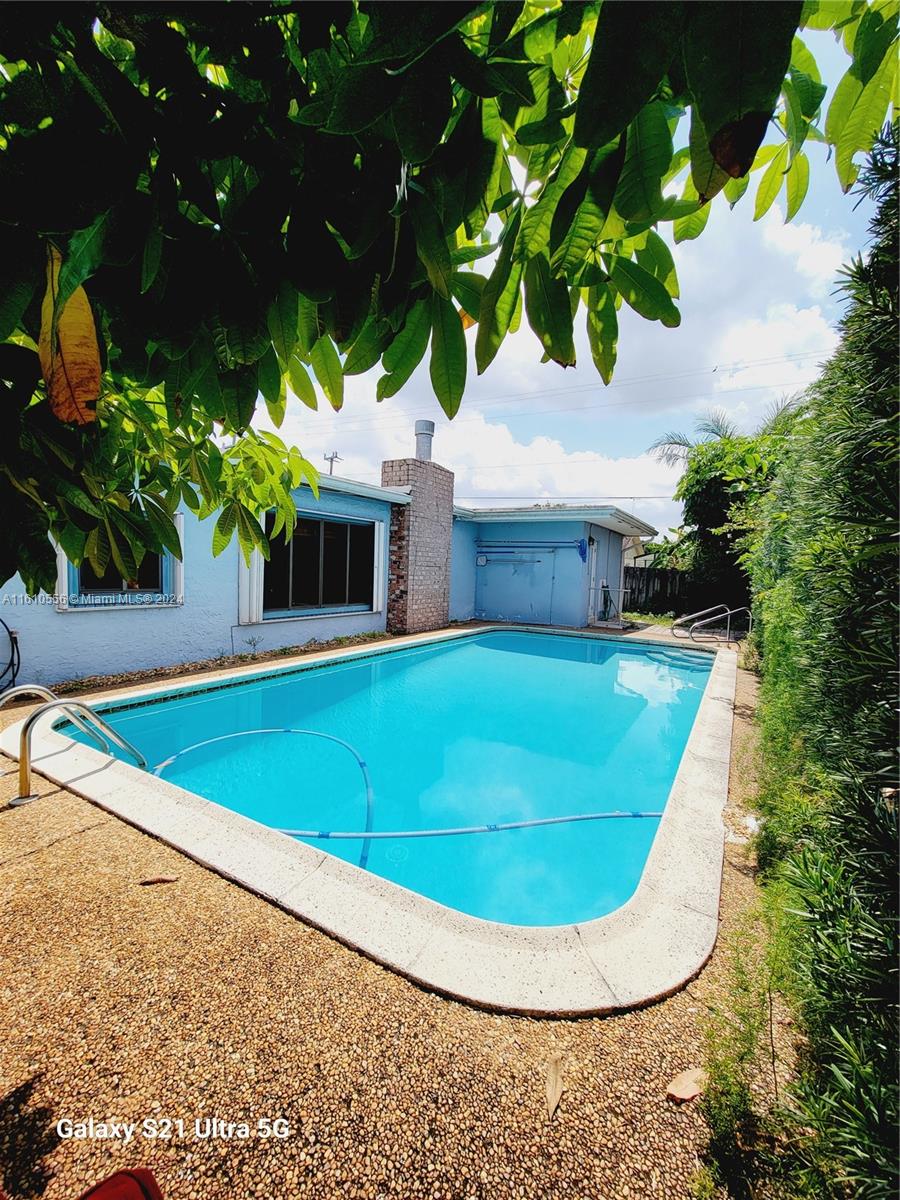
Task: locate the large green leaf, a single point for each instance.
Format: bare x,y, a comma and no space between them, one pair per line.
771,183
628,60
431,243
448,355
468,288
282,320
421,111
366,350
498,300
642,291
301,384
602,329
224,529
23,273
735,188
548,310
692,224
406,351
862,124
327,368
361,94
537,222
647,156
81,259
656,257
735,58
308,330
797,185
484,169
270,382
708,176
239,386
584,228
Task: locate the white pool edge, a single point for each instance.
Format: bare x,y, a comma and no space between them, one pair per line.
646,950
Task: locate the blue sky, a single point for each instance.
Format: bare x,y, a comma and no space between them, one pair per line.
758,319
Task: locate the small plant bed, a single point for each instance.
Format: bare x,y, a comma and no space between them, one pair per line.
96,683
639,618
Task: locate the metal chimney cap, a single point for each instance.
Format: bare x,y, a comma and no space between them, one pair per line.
424,434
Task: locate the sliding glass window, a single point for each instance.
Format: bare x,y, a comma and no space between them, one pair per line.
326,565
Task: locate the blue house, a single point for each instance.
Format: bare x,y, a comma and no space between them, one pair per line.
399,557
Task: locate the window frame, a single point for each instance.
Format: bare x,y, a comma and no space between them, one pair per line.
250,579
325,609
70,598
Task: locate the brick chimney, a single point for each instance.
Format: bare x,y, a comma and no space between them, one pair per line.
419,571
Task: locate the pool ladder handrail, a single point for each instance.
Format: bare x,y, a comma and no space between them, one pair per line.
680,627
729,613
81,715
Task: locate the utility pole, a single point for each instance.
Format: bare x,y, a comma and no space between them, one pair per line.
331,459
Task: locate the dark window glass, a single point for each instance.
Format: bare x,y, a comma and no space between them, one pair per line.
334,563
277,573
326,564
305,571
361,573
149,578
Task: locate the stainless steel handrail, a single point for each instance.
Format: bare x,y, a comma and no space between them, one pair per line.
25,792
729,613
37,689
678,627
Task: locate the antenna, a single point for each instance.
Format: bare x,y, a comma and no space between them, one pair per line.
331,459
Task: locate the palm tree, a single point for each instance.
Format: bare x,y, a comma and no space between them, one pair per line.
673,448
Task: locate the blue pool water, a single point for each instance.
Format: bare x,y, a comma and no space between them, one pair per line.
488,729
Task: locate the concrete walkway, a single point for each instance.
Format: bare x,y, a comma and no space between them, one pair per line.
126,1001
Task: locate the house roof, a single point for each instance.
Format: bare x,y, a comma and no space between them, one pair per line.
608,516
351,487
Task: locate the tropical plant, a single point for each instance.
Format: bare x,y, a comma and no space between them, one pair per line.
724,473
674,447
823,557
203,204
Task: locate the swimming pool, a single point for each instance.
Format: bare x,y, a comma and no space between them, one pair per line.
557,753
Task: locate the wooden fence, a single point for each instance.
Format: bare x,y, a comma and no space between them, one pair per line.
658,590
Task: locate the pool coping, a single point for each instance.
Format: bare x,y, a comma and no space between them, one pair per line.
643,951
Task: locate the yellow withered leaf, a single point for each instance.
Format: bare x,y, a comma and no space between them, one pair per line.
71,366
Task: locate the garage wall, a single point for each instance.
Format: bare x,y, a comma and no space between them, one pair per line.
531,572
462,570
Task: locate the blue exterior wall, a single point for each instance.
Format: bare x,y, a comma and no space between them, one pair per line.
608,549
78,642
537,577
462,570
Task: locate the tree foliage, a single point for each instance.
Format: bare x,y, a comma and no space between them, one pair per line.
725,473
821,547
250,197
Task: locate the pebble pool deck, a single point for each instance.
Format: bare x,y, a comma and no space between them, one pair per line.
196,998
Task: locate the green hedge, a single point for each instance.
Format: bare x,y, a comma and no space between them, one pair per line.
822,556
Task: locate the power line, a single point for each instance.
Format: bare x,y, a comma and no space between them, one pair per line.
365,423
402,420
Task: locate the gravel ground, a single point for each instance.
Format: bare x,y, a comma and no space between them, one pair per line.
193,999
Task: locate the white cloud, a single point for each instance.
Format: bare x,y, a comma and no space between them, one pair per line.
817,256
796,341
489,461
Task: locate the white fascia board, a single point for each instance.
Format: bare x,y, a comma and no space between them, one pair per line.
336,483
609,517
